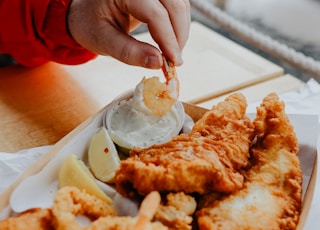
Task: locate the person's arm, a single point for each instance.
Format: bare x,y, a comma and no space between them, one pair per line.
63,31
34,32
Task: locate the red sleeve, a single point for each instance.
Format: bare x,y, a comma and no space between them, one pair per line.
35,31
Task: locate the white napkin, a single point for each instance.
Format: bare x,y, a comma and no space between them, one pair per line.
305,100
12,165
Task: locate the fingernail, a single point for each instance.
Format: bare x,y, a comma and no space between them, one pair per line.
152,62
178,60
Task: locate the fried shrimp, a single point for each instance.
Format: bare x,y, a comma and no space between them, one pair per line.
176,211
147,209
154,97
71,201
142,221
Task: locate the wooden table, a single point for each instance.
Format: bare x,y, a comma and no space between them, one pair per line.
38,106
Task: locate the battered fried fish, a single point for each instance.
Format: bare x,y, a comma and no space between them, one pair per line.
207,159
271,196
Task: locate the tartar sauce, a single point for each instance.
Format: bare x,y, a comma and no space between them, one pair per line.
130,128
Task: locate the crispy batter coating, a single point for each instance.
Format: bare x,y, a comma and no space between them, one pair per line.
123,223
205,160
271,196
176,211
32,219
71,201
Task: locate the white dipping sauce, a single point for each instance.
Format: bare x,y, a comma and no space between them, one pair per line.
130,128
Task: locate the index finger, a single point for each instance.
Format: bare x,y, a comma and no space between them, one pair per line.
179,13
168,27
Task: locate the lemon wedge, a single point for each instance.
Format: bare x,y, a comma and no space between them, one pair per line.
74,172
103,156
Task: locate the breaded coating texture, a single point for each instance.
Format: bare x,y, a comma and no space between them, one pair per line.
271,196
32,219
207,159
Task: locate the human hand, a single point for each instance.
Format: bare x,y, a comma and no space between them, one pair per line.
103,27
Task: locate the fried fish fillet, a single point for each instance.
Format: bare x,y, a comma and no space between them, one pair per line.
271,196
207,159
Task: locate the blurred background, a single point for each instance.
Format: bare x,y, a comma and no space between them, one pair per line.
294,23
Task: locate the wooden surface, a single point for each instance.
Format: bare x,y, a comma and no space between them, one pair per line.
256,92
39,106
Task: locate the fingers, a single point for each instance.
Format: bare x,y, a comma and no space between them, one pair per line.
179,14
103,27
168,22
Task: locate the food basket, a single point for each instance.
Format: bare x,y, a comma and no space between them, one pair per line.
40,178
